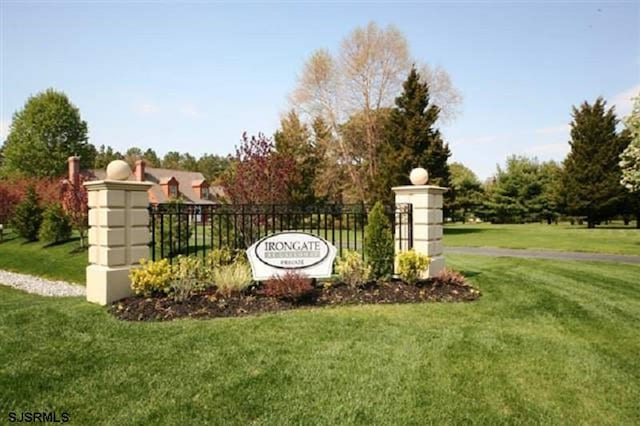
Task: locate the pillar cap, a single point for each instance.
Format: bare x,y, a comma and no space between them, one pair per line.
419,189
130,185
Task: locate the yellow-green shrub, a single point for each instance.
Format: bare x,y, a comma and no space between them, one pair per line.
224,256
352,270
188,275
151,277
232,278
411,265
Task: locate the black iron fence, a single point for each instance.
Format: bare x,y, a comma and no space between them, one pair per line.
196,229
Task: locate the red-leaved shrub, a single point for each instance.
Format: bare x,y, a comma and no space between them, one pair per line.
291,286
12,191
451,278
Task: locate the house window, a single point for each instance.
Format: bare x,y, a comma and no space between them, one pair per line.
173,191
204,193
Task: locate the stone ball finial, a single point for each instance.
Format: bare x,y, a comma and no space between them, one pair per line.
118,170
419,176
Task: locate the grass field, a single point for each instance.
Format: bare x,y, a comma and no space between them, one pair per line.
61,262
548,343
562,237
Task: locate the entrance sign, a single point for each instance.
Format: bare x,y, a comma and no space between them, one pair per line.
291,250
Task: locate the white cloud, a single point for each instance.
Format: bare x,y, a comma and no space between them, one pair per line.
146,108
190,110
624,100
4,129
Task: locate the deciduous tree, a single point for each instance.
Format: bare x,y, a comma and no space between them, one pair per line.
362,79
260,174
75,203
630,157
44,134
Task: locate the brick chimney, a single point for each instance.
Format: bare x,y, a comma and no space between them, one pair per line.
140,174
74,170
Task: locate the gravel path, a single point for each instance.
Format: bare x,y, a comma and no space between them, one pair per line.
41,286
556,255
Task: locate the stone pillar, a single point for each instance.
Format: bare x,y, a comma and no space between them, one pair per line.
118,233
427,222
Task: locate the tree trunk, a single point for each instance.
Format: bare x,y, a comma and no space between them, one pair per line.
591,224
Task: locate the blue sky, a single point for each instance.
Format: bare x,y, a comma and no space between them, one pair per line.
192,76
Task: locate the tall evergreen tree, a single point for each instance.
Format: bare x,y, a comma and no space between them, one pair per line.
27,216
104,156
171,160
293,139
413,139
591,179
213,166
151,158
467,189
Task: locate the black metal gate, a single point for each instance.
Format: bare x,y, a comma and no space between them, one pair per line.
196,229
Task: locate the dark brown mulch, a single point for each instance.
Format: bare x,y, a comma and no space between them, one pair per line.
210,304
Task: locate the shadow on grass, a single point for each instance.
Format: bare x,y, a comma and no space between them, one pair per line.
461,231
59,243
470,274
79,250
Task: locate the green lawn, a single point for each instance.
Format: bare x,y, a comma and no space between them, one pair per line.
61,262
548,343
564,237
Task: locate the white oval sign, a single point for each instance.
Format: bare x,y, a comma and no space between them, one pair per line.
291,250
277,253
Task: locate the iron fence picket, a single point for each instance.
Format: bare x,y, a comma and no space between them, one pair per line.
238,226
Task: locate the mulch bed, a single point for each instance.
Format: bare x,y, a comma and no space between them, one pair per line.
210,304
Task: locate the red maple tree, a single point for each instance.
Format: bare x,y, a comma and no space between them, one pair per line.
74,200
260,174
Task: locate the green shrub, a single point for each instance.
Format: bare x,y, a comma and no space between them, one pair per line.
291,286
232,278
220,257
411,265
27,216
56,225
352,270
378,243
188,275
151,277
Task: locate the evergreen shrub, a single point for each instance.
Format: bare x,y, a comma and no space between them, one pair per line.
27,216
56,225
378,243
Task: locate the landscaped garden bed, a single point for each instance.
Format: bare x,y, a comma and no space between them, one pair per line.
211,304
